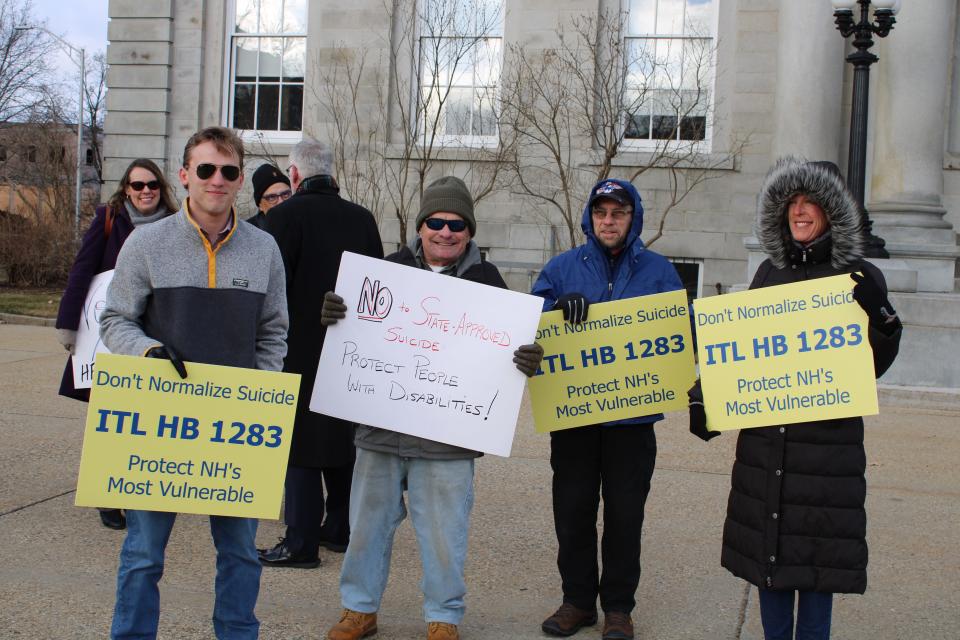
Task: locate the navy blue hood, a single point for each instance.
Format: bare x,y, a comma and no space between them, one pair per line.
636,226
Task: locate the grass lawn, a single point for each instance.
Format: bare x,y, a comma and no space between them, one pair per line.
42,303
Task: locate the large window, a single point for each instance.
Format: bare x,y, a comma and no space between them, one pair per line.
460,54
268,57
669,44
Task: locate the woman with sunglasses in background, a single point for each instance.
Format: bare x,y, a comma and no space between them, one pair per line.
270,188
142,196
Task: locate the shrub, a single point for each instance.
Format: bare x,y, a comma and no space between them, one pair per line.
35,253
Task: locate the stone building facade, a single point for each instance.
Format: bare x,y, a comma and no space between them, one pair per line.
38,168
777,84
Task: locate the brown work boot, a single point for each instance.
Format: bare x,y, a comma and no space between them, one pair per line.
568,619
617,626
442,631
353,625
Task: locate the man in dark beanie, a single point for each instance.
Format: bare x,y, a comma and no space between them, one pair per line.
313,228
270,188
437,477
450,194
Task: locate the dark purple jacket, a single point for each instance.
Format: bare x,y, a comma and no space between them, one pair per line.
98,253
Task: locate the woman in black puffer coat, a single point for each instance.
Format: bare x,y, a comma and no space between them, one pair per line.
795,517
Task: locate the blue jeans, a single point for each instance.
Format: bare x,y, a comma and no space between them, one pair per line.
137,610
440,496
814,611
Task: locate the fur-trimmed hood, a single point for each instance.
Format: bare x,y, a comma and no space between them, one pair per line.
792,175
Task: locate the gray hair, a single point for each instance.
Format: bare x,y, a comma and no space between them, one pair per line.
313,158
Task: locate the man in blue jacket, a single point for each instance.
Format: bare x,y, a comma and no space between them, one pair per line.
614,458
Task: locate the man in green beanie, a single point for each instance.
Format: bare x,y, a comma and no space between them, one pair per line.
437,477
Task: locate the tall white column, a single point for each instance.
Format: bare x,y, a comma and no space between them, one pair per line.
912,80
809,82
809,92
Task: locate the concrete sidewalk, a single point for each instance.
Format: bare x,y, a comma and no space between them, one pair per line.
58,564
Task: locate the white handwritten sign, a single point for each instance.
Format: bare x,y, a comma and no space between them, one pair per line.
426,355
89,343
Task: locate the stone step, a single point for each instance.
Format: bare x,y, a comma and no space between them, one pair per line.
918,397
930,345
914,235
899,275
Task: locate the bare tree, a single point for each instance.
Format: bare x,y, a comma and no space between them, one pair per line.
578,106
433,102
94,98
24,55
55,112
356,131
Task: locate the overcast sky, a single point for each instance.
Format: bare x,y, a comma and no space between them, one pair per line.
82,23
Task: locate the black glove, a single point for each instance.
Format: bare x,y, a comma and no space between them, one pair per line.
333,309
698,415
167,354
574,307
527,358
872,299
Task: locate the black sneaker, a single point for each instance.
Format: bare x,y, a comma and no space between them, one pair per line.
280,556
337,547
331,536
113,519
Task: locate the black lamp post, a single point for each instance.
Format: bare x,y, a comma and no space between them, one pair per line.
863,32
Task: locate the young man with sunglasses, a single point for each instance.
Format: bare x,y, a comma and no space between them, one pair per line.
613,459
313,228
200,287
437,477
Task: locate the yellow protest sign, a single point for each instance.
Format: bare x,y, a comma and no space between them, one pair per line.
214,443
786,354
630,358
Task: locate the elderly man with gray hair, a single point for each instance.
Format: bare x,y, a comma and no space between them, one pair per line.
313,228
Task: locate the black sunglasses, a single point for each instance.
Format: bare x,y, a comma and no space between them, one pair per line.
138,185
436,224
230,172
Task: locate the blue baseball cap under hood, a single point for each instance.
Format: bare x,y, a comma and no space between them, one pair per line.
622,192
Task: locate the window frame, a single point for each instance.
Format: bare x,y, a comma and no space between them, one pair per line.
229,78
709,85
420,107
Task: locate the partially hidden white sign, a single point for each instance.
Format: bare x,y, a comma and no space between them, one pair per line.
89,343
425,354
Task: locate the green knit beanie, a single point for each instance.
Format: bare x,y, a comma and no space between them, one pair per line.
450,195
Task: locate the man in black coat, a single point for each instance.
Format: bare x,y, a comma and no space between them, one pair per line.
313,228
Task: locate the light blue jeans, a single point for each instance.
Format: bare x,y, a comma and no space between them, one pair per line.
137,610
439,498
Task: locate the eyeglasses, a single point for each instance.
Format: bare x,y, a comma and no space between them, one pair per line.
274,198
617,214
138,185
435,224
230,172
